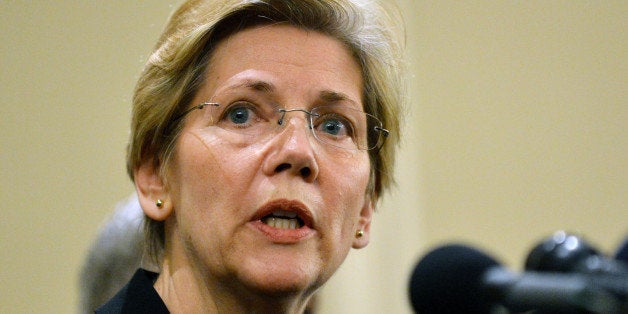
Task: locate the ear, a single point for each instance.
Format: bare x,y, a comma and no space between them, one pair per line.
150,188
364,224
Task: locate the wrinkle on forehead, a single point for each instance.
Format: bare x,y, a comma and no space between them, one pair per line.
280,55
249,79
263,82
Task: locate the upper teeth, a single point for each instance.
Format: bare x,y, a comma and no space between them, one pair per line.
283,213
282,219
282,223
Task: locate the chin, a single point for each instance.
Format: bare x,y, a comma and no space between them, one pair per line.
283,275
281,284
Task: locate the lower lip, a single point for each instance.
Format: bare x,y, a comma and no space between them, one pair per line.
282,236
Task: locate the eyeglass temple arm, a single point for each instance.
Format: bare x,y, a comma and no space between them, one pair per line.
383,131
199,106
379,145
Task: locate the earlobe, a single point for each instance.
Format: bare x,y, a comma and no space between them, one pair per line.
363,231
152,192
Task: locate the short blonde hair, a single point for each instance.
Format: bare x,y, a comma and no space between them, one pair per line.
175,71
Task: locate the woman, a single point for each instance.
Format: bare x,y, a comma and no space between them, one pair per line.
263,133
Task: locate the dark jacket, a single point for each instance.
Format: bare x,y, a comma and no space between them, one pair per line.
138,296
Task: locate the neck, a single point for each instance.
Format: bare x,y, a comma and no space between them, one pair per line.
184,290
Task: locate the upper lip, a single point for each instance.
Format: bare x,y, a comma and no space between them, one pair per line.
295,206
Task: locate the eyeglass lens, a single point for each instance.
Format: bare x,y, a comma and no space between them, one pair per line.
245,122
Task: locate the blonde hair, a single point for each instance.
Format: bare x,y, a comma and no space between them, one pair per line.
175,71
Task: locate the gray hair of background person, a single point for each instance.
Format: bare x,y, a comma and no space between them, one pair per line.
113,257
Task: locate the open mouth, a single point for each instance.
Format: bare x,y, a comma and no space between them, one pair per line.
285,214
282,219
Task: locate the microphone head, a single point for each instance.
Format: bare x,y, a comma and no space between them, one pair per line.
562,252
622,252
449,280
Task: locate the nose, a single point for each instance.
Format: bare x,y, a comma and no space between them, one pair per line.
291,150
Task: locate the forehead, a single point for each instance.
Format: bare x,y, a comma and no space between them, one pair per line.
289,58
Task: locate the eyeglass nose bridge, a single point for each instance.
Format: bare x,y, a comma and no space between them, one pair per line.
309,114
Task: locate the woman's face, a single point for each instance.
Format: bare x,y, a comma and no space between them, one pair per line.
224,193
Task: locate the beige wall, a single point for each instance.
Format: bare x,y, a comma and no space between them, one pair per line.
516,129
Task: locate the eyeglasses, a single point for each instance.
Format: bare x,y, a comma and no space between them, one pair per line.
244,123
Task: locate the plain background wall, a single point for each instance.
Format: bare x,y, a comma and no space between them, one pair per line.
516,128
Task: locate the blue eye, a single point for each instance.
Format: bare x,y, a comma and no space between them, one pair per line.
333,127
243,116
239,114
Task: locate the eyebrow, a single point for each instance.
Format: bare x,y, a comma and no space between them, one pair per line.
332,96
261,86
255,85
327,96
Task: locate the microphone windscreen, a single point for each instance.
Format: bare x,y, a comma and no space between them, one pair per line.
449,280
561,252
622,252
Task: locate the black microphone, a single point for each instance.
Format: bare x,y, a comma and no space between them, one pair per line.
568,253
564,252
622,252
459,279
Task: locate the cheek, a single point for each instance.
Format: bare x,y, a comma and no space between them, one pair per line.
209,179
212,163
346,190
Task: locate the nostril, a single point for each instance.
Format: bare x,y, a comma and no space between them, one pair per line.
305,172
282,167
